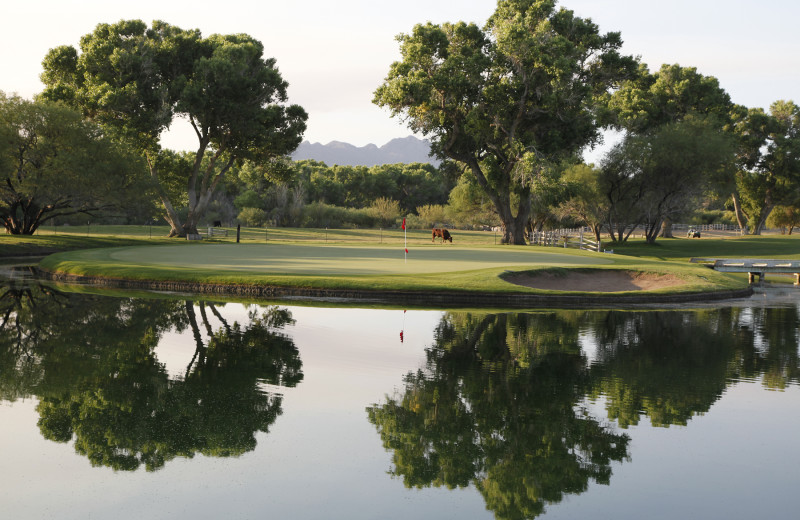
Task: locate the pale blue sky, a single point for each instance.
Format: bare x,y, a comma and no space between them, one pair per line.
334,54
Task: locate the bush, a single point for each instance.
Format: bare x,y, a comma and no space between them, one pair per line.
385,211
431,215
254,217
248,199
717,216
319,215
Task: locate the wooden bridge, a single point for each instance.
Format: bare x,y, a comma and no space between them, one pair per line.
754,267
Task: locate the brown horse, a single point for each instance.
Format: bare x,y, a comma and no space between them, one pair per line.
441,233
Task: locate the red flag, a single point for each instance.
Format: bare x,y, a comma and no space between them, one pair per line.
404,224
406,250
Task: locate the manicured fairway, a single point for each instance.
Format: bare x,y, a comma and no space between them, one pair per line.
346,260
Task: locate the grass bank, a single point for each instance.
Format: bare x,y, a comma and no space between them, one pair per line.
380,268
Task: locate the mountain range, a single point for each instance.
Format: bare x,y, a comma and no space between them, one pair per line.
401,150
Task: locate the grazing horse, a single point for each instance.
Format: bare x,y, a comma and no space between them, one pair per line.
441,233
217,223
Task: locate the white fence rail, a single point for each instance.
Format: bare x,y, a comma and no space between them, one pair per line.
567,238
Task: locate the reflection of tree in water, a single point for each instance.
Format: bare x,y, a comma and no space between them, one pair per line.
669,366
775,336
496,406
672,365
498,403
91,362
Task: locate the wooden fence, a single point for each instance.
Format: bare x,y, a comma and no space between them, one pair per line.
567,238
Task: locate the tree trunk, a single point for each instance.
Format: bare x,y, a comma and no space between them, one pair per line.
741,218
170,215
666,229
762,218
514,227
651,231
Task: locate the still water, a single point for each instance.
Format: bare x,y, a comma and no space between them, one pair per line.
163,407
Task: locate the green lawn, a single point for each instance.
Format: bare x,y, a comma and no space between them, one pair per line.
683,249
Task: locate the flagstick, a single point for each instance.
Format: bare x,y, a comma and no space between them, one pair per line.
405,242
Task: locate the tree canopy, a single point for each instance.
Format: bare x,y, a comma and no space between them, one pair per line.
768,161
138,81
53,163
509,100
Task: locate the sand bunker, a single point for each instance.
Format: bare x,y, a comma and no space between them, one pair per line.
596,281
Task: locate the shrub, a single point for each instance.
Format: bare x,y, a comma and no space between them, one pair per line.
431,215
385,211
319,215
255,217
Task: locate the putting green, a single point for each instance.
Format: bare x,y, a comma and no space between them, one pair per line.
346,260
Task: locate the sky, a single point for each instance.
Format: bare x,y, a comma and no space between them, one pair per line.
335,54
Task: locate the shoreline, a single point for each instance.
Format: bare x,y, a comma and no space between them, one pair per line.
437,298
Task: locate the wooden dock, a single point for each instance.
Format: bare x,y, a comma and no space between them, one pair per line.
753,266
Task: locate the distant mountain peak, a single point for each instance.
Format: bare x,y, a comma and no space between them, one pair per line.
399,150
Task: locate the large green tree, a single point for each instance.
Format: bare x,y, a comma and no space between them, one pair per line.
769,162
139,81
674,151
666,173
54,164
508,101
650,100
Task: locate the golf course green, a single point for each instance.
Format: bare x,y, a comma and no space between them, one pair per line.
346,260
357,271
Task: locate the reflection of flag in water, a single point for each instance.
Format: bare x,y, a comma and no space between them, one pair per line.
403,327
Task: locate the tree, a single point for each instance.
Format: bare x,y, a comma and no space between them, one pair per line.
648,101
768,160
468,205
587,203
785,217
669,169
138,81
54,164
508,101
652,109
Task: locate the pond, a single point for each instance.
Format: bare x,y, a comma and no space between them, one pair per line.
161,406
